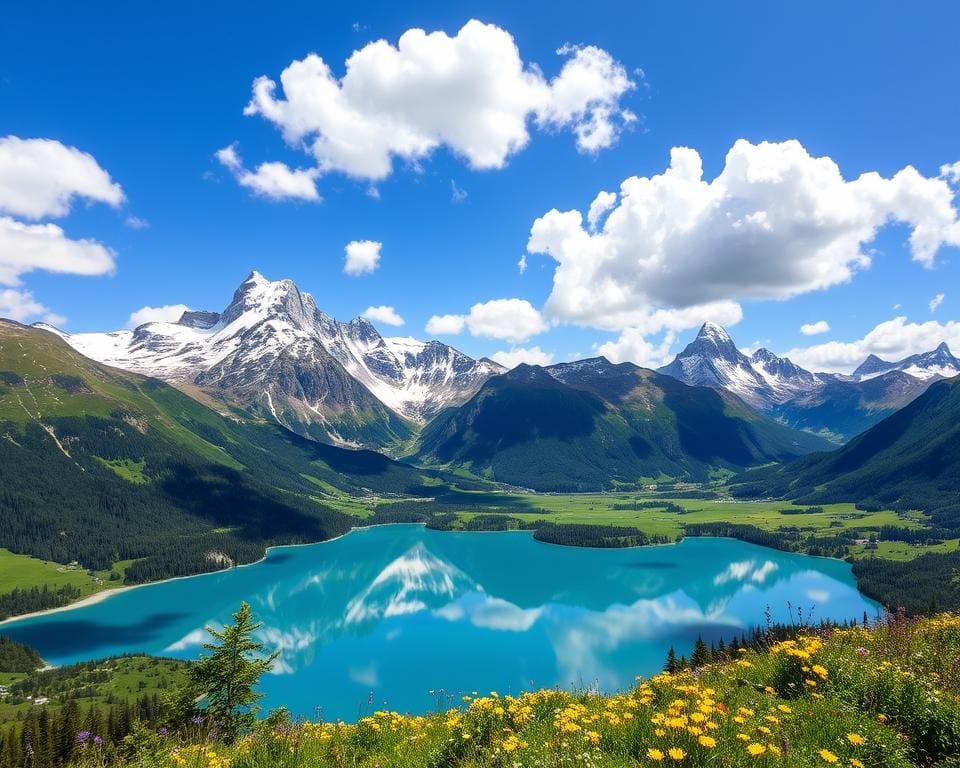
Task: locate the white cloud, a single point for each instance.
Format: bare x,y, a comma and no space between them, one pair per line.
522,263
169,313
276,181
446,325
601,204
514,356
27,247
514,320
471,93
773,224
812,329
456,194
383,314
42,177
22,307
633,347
951,172
362,257
936,301
891,340
135,222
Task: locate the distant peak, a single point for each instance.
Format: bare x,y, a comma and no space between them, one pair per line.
763,355
714,332
256,277
943,349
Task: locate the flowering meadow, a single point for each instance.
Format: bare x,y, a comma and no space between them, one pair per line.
882,697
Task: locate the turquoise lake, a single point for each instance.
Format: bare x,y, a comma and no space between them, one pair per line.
384,615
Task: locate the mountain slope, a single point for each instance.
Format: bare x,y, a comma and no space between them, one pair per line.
909,460
836,407
99,465
940,363
592,425
274,353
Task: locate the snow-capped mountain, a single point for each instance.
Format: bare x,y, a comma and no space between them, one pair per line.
713,360
836,406
274,352
940,363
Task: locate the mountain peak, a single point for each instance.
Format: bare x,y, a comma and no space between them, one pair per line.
715,333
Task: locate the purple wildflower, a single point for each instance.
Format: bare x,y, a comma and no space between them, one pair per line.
82,737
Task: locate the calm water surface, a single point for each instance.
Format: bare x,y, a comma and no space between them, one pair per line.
386,614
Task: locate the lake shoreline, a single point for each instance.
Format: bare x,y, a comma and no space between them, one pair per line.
105,594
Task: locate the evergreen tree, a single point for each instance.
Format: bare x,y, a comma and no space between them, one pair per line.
228,672
68,729
701,654
671,665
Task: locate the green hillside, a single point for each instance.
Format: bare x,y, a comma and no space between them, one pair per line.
910,460
603,426
99,466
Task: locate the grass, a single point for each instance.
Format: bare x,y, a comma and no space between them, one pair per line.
128,469
24,572
599,509
99,683
859,698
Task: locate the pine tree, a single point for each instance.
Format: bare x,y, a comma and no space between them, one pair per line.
701,654
228,673
68,729
671,665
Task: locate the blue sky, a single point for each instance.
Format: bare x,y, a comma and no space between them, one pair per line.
152,95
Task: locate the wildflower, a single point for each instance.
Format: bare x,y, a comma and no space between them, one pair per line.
819,671
856,739
828,757
83,736
676,753
655,754
756,749
707,741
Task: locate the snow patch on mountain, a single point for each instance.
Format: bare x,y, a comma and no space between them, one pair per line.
270,319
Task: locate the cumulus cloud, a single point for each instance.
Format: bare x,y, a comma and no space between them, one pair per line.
514,320
515,356
362,257
471,93
812,329
28,247
601,204
632,346
276,181
22,307
446,325
890,340
383,314
41,178
775,223
169,313
936,301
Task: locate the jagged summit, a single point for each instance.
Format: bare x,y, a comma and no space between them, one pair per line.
272,350
936,364
840,406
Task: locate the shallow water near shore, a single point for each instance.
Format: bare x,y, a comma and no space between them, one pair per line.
407,618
